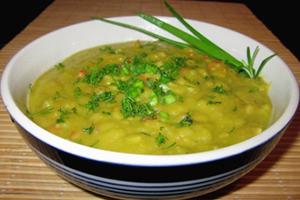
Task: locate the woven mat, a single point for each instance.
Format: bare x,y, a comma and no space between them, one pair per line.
24,176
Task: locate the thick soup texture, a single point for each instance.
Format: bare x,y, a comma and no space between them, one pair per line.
149,98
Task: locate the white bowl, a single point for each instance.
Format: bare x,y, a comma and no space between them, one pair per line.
142,176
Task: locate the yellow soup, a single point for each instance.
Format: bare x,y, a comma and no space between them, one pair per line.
149,98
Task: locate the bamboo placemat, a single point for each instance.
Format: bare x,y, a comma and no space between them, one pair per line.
24,176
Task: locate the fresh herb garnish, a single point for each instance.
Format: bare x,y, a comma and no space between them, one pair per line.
161,93
131,108
108,49
95,99
253,89
170,69
171,145
197,41
249,67
93,103
74,110
160,139
59,66
211,102
219,89
186,120
108,97
77,92
30,87
57,95
94,76
63,113
89,130
133,87
139,64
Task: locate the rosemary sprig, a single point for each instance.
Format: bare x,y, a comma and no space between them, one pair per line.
197,41
249,67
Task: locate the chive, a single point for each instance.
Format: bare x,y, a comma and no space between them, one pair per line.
167,40
197,34
193,41
197,41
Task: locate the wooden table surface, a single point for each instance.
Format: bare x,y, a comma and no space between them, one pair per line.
24,176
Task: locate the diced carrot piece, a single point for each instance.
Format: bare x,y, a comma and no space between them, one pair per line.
81,73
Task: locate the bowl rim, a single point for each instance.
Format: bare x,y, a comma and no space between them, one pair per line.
141,159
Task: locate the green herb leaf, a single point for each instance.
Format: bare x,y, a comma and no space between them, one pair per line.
94,76
107,97
131,108
219,89
186,120
108,49
89,130
162,38
193,41
132,88
95,100
93,103
59,66
63,113
160,139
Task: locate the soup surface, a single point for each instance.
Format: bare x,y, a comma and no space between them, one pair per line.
149,98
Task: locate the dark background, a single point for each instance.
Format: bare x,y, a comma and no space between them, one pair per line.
281,17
